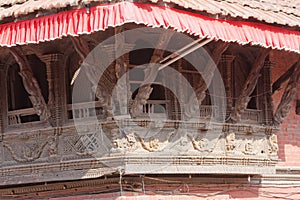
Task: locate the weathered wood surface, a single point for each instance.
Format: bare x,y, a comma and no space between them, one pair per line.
30,84
150,74
288,96
249,86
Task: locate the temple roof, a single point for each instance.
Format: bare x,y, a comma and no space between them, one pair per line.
282,12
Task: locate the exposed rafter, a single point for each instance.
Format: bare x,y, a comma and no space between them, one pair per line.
30,84
288,95
249,86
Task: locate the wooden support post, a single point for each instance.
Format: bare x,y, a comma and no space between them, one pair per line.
56,95
122,88
2,101
265,101
226,71
150,75
30,84
249,86
288,95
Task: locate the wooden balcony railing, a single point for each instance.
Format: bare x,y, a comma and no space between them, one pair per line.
252,115
84,110
22,116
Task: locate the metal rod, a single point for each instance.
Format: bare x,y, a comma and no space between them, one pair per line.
176,53
185,53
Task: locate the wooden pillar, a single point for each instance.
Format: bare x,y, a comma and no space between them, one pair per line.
122,91
265,101
56,85
225,68
3,107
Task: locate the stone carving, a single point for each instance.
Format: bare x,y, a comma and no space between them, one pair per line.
230,142
200,145
273,144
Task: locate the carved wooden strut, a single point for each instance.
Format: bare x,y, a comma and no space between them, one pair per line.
30,84
208,74
277,85
150,75
82,48
249,86
288,95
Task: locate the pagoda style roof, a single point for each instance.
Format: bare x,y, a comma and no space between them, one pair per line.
281,12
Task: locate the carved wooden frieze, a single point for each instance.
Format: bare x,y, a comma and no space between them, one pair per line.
108,147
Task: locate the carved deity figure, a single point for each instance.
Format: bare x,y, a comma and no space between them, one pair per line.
129,142
230,142
152,146
273,144
249,148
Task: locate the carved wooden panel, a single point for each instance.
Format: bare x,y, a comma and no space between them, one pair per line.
64,154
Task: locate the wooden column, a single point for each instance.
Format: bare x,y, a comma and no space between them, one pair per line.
225,68
3,107
56,85
122,89
265,101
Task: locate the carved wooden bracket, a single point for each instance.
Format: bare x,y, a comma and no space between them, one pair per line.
208,73
150,75
283,78
30,84
287,97
249,86
210,68
82,48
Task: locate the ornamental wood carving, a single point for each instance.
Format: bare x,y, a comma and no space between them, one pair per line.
277,85
150,74
82,48
30,84
287,97
208,73
249,86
